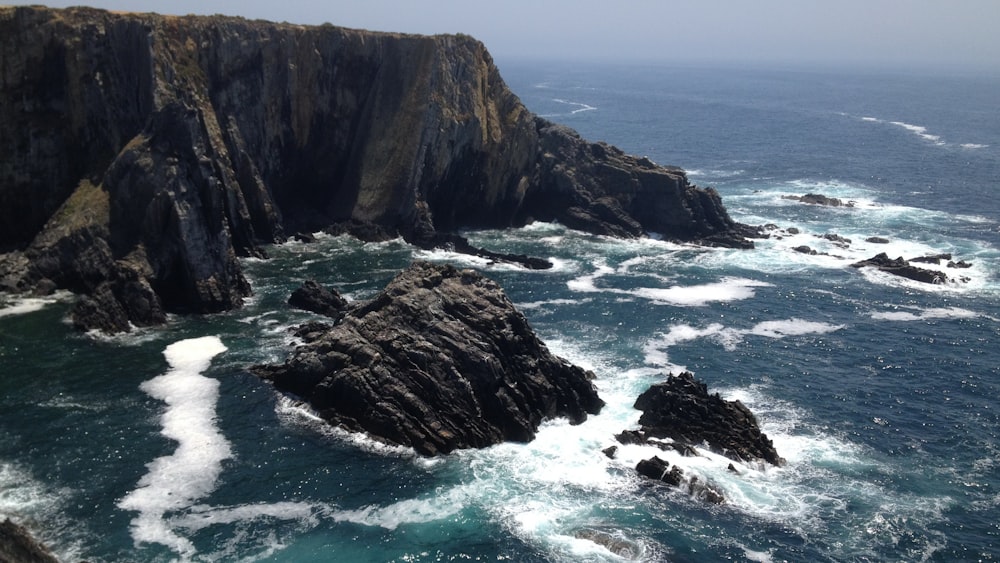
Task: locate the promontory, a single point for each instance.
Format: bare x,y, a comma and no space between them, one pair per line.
143,155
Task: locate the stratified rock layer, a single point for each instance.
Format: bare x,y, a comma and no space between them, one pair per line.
439,360
143,154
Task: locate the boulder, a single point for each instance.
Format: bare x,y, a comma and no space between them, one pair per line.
438,360
682,410
311,296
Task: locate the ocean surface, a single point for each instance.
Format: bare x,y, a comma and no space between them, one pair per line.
882,394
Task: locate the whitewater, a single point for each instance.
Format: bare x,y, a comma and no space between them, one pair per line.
880,392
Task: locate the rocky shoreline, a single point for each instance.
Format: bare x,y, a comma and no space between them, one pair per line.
147,154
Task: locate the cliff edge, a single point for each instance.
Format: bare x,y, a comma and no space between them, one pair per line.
144,154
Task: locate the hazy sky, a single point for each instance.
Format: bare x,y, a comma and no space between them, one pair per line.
860,32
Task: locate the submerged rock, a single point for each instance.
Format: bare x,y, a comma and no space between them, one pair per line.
439,360
819,199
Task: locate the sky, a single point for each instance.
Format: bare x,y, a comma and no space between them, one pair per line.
869,33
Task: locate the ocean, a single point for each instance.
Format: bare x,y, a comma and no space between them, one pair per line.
882,394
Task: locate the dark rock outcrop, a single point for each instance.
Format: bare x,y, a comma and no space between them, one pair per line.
311,296
819,199
439,360
18,546
901,267
161,149
682,410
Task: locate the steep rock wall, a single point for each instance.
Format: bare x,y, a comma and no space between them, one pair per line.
167,147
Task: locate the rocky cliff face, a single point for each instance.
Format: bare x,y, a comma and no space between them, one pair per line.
144,154
439,360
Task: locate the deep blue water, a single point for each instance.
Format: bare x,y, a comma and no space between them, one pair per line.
881,393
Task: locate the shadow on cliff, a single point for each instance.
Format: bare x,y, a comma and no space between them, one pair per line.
144,154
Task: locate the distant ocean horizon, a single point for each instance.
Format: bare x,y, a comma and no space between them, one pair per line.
880,392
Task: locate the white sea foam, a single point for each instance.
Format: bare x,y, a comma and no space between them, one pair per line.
925,314
437,506
200,516
727,289
973,146
918,130
580,107
729,338
15,306
174,482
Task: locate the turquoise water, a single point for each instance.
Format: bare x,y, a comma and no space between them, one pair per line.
880,392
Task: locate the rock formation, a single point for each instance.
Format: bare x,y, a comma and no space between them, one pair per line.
902,268
439,360
143,154
17,546
682,410
820,199
679,414
311,296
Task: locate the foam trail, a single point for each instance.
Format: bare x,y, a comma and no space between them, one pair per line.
920,131
27,305
175,481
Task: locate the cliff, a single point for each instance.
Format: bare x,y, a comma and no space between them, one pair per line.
143,154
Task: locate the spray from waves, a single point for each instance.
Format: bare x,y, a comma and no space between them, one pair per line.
24,305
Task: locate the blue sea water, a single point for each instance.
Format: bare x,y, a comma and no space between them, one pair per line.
881,393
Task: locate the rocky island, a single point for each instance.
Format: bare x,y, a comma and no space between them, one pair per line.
438,360
145,154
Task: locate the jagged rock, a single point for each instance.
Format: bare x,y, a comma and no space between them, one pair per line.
793,230
901,267
803,249
439,360
613,542
877,240
18,546
311,296
682,410
837,239
660,470
159,138
959,264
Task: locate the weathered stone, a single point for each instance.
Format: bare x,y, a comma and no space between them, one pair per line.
439,360
901,267
160,138
682,410
311,296
877,240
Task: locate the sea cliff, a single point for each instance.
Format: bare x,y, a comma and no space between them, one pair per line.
144,154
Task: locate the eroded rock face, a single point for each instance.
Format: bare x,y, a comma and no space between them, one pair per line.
682,410
439,360
197,139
